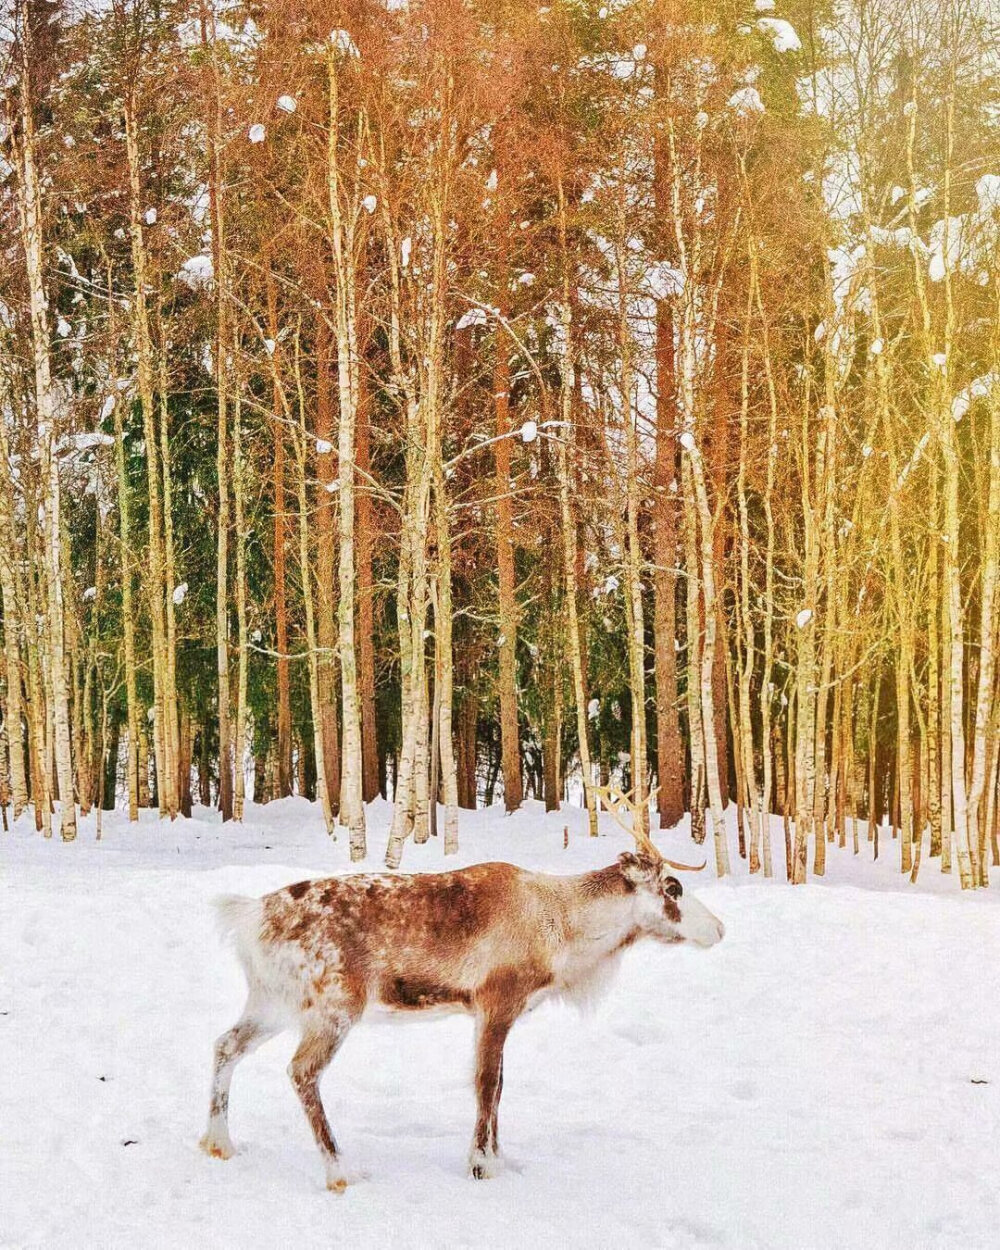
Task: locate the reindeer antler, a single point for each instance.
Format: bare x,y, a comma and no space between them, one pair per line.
684,867
611,799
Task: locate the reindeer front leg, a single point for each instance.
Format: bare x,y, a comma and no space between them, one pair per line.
321,1039
484,1157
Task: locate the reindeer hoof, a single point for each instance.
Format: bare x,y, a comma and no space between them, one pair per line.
216,1149
483,1166
338,1177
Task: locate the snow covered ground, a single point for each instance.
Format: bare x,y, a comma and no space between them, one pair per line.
829,1076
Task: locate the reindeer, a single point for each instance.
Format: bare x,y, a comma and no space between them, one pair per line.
492,941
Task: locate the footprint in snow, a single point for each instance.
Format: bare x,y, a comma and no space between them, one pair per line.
743,1091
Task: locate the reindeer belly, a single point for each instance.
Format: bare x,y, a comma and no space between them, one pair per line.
398,996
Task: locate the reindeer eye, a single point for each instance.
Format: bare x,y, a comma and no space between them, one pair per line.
673,888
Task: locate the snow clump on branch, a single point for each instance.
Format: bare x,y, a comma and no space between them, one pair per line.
979,388
746,101
665,281
782,34
472,317
197,271
342,42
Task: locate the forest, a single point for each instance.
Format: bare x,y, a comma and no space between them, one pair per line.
476,401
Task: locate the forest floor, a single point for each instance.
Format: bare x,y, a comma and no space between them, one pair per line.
829,1076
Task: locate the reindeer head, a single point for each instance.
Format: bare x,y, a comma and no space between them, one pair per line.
663,910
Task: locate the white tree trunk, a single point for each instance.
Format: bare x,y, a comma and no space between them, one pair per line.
30,205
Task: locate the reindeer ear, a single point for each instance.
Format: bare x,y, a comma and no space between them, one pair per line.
636,869
630,869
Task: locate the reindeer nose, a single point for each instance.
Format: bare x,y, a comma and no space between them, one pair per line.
713,932
702,928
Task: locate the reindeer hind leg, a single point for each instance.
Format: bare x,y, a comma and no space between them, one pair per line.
245,1036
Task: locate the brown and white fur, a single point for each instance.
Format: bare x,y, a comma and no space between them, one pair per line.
492,940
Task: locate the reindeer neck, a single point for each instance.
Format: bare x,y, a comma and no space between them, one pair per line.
599,924
606,924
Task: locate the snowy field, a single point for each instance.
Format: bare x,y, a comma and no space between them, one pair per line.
829,1076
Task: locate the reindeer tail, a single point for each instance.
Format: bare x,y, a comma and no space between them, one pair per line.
238,920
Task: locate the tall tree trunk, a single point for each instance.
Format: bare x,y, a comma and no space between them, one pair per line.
305,572
510,745
825,473
184,759
424,400
46,412
283,745
345,248
553,680
567,381
370,782
128,618
745,629
39,701
170,699
204,767
934,743
410,808
222,600
669,744
222,346
698,493
468,715
242,714
718,468
142,751
164,736
634,611
110,737
985,694
76,664
805,677
326,544
669,747
444,681
13,631
952,571
403,773
698,514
